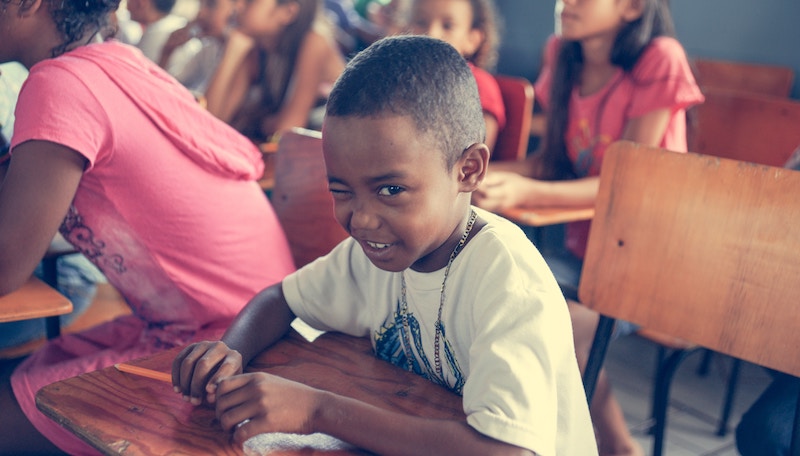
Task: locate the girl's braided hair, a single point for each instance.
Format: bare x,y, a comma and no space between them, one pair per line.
78,20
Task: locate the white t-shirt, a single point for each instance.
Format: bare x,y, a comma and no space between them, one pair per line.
155,35
507,334
196,72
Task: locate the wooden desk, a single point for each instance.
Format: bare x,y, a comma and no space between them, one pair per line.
548,215
117,412
35,299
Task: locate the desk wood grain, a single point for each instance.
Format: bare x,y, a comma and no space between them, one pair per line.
35,299
122,413
548,215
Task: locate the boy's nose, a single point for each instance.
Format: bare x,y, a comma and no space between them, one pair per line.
362,218
434,31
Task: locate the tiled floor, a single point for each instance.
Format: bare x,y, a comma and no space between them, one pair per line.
696,401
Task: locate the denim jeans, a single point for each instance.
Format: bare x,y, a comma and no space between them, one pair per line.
766,427
76,280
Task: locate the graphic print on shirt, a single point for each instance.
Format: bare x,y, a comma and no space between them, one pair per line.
82,238
583,142
390,345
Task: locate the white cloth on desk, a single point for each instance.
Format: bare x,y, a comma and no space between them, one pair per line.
505,321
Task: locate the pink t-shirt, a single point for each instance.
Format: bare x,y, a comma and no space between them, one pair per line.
168,208
491,98
662,78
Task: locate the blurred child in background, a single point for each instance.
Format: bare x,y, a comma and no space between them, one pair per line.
277,65
206,34
470,26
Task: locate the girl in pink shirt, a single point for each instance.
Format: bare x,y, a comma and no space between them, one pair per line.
159,194
615,72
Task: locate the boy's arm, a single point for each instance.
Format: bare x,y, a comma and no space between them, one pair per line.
252,404
264,320
390,433
198,368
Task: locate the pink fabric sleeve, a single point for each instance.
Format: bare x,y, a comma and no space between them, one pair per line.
663,79
88,138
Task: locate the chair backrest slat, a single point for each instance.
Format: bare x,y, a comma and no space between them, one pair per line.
772,80
701,248
512,141
301,198
745,126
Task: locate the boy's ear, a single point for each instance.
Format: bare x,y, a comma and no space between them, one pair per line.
472,167
633,10
29,7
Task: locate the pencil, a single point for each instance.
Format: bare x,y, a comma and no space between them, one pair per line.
144,372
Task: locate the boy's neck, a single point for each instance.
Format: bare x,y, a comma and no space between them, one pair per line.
440,257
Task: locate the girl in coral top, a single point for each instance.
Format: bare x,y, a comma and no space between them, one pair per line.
614,72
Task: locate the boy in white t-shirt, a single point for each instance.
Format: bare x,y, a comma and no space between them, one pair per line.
450,292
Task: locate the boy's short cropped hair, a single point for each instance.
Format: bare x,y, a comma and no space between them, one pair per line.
416,76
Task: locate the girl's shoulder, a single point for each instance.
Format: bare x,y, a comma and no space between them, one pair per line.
664,56
665,46
551,48
319,42
319,50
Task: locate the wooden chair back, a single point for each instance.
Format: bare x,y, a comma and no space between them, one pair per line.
701,248
512,141
746,126
301,198
771,80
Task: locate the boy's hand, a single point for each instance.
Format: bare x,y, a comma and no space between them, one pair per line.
198,368
255,403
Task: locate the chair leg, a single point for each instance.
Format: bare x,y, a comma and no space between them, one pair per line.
649,425
730,392
705,364
795,448
50,276
664,376
597,354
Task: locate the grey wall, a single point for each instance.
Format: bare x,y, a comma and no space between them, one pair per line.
755,31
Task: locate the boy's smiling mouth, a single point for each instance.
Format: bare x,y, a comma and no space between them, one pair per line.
377,245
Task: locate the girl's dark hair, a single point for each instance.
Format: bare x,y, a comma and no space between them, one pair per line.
486,19
630,43
78,20
280,64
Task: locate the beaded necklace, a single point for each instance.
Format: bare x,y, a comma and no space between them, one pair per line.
404,306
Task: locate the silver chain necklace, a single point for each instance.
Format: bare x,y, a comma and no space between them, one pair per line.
404,306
